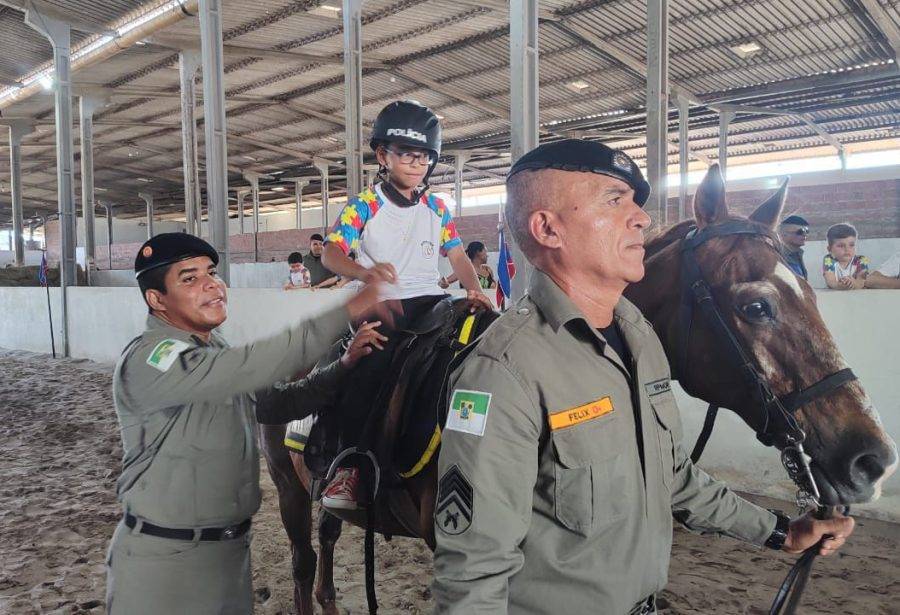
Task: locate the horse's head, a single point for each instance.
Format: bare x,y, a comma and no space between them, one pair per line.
773,315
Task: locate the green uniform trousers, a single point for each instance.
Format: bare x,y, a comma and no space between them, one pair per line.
154,576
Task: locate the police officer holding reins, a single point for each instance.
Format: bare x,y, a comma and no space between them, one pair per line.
190,477
562,465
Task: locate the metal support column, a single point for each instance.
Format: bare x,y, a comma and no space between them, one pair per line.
188,64
215,131
299,185
683,152
148,199
109,232
725,118
322,166
241,195
459,162
524,112
253,178
87,106
59,35
352,14
17,130
658,106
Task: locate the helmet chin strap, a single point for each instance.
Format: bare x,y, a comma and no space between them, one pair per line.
395,194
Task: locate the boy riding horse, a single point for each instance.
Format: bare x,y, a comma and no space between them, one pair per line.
396,228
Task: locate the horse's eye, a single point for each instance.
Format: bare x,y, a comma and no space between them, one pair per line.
756,311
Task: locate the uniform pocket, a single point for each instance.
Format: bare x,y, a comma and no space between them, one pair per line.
668,429
588,462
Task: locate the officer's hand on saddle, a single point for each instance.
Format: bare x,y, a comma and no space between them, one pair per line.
806,531
368,305
364,342
379,272
478,300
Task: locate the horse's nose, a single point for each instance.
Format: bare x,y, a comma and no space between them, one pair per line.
875,463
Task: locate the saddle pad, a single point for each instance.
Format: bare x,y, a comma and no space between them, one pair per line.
422,434
297,433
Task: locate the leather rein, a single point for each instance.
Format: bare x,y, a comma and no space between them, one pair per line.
779,425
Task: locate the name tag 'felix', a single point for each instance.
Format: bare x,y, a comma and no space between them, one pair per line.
580,414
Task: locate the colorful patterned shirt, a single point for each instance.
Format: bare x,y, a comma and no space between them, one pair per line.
857,267
409,238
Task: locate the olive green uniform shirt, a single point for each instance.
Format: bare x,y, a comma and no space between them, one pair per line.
186,412
532,519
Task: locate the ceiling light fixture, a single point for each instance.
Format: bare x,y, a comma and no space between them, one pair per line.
46,82
746,50
278,189
579,85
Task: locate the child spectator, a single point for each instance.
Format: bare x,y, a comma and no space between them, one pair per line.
842,267
299,275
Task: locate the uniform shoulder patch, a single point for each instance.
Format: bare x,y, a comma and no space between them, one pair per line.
468,411
165,353
455,502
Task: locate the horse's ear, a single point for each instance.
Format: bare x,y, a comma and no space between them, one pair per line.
769,212
709,201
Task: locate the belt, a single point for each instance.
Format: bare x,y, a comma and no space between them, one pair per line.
647,606
208,534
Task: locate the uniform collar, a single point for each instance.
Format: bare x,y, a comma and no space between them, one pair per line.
559,310
158,324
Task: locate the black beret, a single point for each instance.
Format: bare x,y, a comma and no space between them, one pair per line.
168,248
795,219
582,156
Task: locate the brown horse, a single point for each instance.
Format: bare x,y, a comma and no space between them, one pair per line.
774,315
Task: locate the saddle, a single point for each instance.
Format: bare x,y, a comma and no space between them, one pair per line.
404,428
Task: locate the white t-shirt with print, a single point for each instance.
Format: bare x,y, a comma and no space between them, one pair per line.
409,238
891,267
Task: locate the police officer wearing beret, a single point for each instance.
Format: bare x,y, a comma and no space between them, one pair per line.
190,477
561,464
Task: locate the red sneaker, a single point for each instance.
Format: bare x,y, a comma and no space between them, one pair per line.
341,491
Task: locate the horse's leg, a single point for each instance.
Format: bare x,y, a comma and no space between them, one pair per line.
329,532
294,504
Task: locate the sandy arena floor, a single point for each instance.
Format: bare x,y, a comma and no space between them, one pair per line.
61,455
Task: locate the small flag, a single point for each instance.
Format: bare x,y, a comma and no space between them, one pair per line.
468,411
42,272
506,271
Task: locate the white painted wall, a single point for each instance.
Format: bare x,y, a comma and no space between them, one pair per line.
863,323
8,257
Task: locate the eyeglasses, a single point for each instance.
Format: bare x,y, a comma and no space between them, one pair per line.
423,158
803,231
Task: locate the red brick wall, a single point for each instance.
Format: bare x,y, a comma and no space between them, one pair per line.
873,207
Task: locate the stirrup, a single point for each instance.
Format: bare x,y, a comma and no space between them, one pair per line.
349,452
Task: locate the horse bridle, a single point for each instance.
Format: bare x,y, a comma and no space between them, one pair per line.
779,426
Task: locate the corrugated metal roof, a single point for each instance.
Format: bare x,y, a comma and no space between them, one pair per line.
465,46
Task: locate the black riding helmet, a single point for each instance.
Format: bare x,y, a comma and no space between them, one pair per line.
409,123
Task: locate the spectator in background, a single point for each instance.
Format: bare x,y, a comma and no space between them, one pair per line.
886,276
477,253
319,276
794,230
842,267
299,275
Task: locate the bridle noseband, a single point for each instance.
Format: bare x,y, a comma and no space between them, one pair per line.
779,425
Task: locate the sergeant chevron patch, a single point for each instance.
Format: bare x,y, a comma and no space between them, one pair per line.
453,512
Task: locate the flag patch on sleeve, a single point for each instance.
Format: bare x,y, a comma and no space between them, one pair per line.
468,411
165,353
